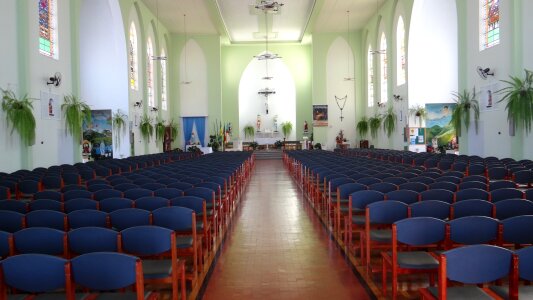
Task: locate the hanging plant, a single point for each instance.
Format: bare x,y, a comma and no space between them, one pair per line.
519,96
249,131
19,116
173,129
159,129
375,123
75,111
389,121
465,101
418,112
146,127
119,125
286,129
362,127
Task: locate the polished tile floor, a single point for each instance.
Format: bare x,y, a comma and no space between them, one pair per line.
278,249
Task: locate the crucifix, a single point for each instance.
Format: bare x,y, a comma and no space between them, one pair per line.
341,106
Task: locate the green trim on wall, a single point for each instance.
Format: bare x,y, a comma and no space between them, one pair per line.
517,142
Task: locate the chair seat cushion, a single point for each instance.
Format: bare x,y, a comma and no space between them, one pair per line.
381,235
183,241
462,293
358,220
154,269
419,260
524,291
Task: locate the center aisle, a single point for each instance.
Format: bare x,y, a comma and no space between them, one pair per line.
278,249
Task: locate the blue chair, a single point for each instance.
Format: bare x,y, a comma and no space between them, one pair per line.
71,178
34,274
129,217
501,184
445,165
523,178
116,181
153,186
96,181
506,193
206,221
405,196
47,204
476,169
168,193
27,188
5,193
180,186
98,187
479,178
40,240
106,272
123,187
192,180
452,179
473,266
413,233
6,244
468,194
529,194
73,187
151,203
143,180
137,193
514,233
473,230
472,185
11,221
211,202
87,218
52,183
80,203
414,186
74,194
430,208
459,166
383,187
408,175
472,207
167,181
13,205
423,179
437,194
47,218
154,241
112,204
395,180
368,180
512,207
48,195
108,193
496,173
92,239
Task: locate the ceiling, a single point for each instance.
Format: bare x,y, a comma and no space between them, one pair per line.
240,21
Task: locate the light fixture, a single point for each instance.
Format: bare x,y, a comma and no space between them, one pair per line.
155,57
154,109
266,56
138,104
484,72
349,76
269,6
185,80
55,80
397,97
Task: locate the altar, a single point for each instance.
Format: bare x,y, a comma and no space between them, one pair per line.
268,137
205,150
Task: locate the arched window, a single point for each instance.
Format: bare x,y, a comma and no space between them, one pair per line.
150,73
489,23
133,59
163,81
370,66
48,28
400,52
384,68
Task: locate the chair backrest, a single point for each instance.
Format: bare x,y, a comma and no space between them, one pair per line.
344,190
452,179
40,240
153,186
52,182
474,230
96,181
147,240
6,244
16,206
92,239
123,187
479,178
473,193
47,218
168,193
430,208
513,207
472,207
424,179
414,186
112,204
368,180
405,196
513,230
420,231
47,204
361,199
71,178
529,194
107,193
34,273
525,263
472,185
496,173
501,184
87,218
202,192
29,186
174,218
476,169
129,217
192,180
506,193
137,193
192,202
437,194
180,186
77,194
151,203
383,187
80,203
523,177
386,212
395,180
48,195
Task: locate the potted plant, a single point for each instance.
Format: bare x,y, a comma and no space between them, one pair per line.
159,128
119,125
389,121
19,116
519,96
254,145
286,129
465,101
146,127
318,146
375,123
278,144
173,129
362,127
249,132
418,112
75,112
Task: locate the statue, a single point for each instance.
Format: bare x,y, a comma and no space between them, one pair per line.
276,123
258,124
306,127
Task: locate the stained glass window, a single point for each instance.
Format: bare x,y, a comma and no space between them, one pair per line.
384,68
133,62
150,73
163,81
400,52
48,28
370,67
489,23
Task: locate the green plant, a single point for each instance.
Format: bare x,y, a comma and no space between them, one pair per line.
254,145
286,128
375,123
519,96
318,146
389,121
173,129
362,127
418,112
119,125
249,131
278,144
461,115
19,116
75,112
159,128
217,139
146,127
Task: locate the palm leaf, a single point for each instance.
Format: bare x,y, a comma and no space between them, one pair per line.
146,127
75,111
375,123
362,127
389,121
19,116
119,125
519,96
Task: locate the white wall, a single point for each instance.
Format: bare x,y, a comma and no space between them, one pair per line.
527,58
340,64
194,102
135,113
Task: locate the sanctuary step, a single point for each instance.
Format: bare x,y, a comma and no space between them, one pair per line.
268,154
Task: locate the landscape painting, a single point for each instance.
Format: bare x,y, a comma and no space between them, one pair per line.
98,136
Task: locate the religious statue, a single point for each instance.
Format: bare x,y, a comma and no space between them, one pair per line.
306,127
276,123
258,124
